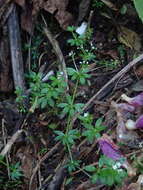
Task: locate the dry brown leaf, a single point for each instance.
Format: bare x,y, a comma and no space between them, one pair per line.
20,2
32,8
63,17
129,38
139,71
26,156
53,5
83,9
26,21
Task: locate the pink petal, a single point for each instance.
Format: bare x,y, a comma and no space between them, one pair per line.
135,101
139,122
108,148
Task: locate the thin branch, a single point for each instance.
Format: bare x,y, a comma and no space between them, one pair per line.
58,52
10,143
107,85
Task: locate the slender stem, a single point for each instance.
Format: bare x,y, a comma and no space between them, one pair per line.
2,162
69,116
34,105
84,172
69,150
73,59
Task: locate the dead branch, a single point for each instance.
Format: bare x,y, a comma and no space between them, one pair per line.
58,178
10,143
58,53
15,48
46,156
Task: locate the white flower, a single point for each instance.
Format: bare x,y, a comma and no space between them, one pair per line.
86,114
60,74
70,53
117,165
82,28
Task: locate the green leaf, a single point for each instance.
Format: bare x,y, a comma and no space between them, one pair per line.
44,91
82,80
94,178
123,9
51,102
69,99
62,105
68,181
90,168
71,112
139,8
78,106
71,28
43,103
15,171
98,122
59,133
71,71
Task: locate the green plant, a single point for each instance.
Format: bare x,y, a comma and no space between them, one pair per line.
97,4
34,48
68,138
43,151
139,7
92,131
15,171
70,107
112,64
122,52
79,75
20,99
84,50
15,175
72,165
109,172
45,94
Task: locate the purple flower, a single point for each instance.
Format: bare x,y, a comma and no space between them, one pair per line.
111,150
135,101
138,124
108,148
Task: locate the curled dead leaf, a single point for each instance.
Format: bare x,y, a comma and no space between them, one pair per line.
31,10
129,38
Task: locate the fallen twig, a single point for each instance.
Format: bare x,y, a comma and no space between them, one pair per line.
10,143
58,52
106,86
46,156
57,180
4,140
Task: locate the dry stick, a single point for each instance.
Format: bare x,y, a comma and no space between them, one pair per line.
10,142
58,52
4,7
4,140
46,156
58,178
97,95
15,48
